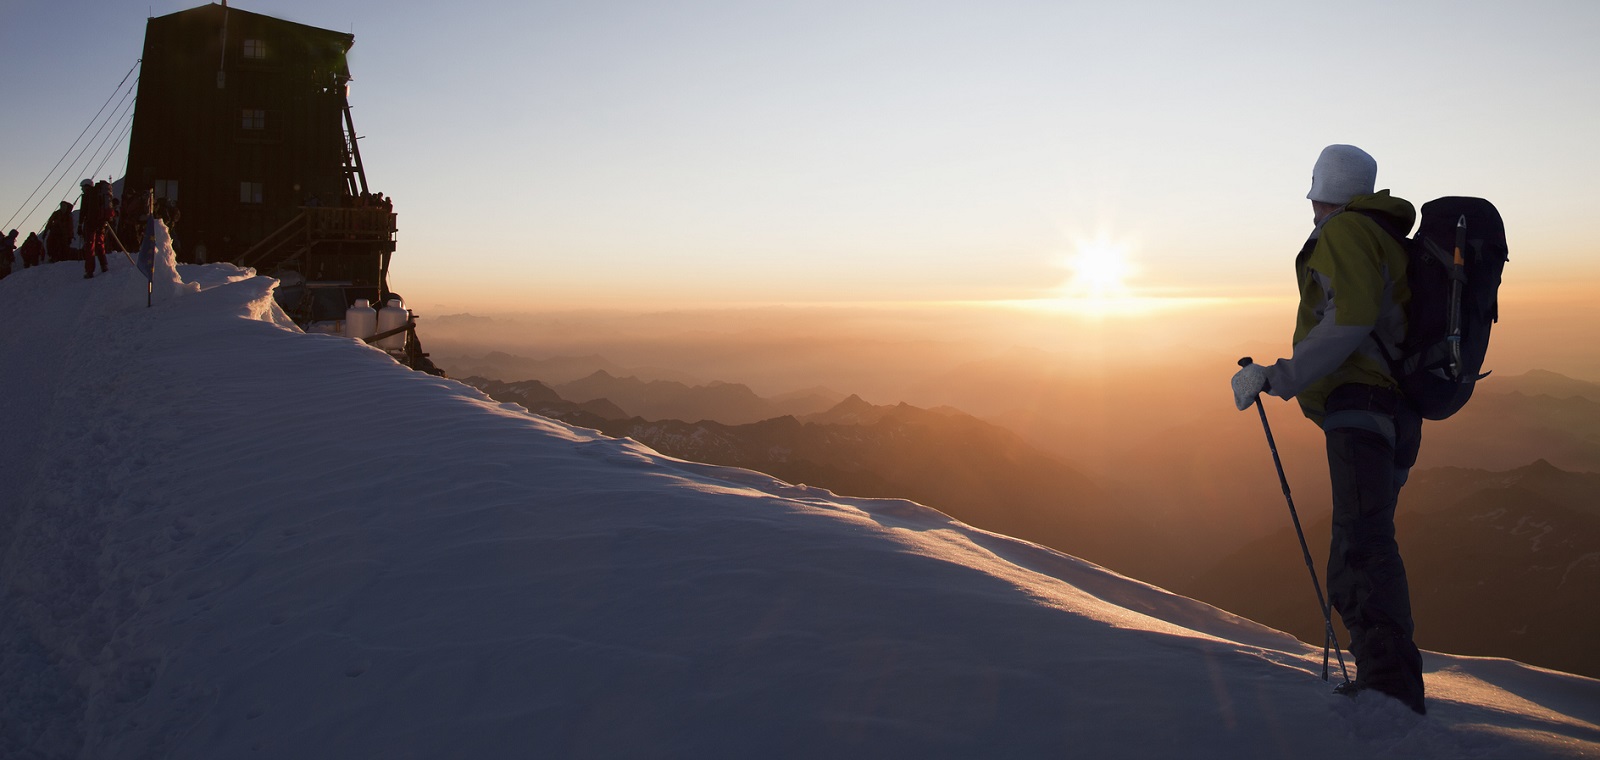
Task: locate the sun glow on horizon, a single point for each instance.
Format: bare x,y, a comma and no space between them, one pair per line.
1101,268
1131,305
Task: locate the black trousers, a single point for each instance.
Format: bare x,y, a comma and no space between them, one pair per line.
1373,437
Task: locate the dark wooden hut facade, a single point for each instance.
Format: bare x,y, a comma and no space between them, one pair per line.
244,120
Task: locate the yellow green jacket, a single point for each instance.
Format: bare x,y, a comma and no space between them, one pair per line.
1353,293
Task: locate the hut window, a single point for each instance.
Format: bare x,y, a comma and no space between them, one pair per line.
255,118
255,50
250,192
167,188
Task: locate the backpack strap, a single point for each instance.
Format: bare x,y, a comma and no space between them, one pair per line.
1384,224
1421,247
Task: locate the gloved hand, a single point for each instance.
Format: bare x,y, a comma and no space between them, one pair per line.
1248,383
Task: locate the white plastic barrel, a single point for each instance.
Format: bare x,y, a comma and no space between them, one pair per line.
361,320
389,317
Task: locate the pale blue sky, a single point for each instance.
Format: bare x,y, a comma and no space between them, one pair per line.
702,152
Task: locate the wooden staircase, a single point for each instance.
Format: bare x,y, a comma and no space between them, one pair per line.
315,229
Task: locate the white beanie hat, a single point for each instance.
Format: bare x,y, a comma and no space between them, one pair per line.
1342,172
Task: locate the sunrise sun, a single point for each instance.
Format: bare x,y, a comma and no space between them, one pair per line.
1099,272
1100,269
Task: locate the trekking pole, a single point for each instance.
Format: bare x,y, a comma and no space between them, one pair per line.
123,248
1329,638
149,280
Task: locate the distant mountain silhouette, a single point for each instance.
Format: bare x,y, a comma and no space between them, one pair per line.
851,411
728,403
591,378
1501,563
1211,477
539,398
1501,429
1441,487
501,366
816,397
972,470
1540,382
662,399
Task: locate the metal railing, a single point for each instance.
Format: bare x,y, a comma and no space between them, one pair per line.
317,224
350,223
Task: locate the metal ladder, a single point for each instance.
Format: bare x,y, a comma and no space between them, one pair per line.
355,175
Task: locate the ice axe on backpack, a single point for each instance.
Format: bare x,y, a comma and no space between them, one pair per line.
1329,640
1455,299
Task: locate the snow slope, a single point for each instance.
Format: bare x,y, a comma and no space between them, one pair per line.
221,537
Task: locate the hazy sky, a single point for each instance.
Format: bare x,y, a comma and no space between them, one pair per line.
609,153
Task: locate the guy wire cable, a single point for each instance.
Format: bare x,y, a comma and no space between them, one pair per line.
126,130
85,149
74,143
121,106
65,176
123,118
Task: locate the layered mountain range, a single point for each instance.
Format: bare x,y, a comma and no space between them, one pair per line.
607,395
1504,554
969,469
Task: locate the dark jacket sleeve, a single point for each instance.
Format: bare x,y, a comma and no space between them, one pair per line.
1319,353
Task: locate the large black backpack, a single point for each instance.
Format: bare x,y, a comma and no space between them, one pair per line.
89,209
1454,265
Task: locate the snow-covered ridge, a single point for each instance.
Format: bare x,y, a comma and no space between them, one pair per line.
220,536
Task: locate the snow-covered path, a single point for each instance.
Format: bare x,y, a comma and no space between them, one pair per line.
220,537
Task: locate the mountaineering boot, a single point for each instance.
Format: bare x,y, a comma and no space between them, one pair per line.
1387,661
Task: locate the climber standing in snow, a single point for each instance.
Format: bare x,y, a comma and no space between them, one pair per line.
1352,279
8,250
58,233
94,213
32,251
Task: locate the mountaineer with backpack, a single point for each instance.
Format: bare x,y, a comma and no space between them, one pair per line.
94,214
32,251
8,250
1391,330
58,234
1352,315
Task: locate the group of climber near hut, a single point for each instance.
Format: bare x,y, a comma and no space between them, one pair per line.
102,222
